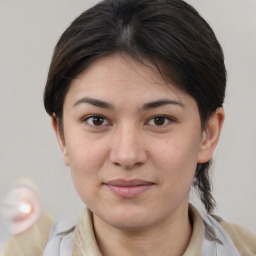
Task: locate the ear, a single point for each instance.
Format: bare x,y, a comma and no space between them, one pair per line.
60,139
210,136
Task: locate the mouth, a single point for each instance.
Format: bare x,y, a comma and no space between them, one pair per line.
129,188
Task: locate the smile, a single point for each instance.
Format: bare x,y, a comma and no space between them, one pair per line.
129,189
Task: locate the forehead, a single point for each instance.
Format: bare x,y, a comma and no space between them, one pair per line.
121,75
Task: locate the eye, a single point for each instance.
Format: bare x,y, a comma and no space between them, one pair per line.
96,120
159,120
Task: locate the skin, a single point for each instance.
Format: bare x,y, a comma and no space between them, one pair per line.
129,142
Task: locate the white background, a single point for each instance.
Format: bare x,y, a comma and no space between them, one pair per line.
29,31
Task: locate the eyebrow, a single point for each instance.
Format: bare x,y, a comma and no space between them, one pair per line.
146,106
160,103
94,102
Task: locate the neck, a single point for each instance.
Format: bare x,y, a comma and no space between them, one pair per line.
170,237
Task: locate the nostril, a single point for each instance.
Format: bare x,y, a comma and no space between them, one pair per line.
117,164
128,166
127,152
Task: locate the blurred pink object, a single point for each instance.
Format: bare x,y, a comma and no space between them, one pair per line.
21,207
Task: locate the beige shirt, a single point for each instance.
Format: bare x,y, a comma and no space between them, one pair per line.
33,241
243,239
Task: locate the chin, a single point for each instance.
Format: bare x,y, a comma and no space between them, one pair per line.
128,219
129,224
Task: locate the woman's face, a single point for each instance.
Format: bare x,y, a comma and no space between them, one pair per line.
132,143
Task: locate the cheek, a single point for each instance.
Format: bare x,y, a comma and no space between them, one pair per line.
176,160
177,151
85,153
86,158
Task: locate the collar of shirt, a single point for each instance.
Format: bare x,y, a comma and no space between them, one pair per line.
83,241
88,242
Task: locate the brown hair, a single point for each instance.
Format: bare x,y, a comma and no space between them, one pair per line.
169,33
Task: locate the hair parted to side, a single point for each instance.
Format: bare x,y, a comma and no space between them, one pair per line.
170,34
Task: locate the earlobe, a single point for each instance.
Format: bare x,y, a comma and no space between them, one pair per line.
60,139
211,136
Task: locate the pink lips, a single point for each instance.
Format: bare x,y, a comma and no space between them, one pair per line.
129,188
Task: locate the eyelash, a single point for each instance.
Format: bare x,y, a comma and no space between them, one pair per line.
91,117
167,120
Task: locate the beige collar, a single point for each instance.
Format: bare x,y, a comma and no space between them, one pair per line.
86,244
196,241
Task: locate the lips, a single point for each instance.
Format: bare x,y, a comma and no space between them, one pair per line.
129,188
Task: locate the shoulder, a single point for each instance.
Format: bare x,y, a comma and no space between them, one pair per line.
243,239
60,243
31,242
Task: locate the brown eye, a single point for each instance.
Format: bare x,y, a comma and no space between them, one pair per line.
160,120
96,121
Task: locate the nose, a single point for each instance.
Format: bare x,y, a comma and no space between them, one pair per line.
127,150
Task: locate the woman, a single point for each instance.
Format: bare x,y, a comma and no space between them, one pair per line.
135,92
